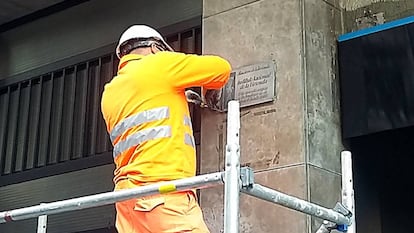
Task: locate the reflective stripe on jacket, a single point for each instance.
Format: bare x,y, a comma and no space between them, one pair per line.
147,114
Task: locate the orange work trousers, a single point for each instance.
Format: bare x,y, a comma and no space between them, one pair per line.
164,213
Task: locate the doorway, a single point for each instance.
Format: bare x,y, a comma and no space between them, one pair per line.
383,175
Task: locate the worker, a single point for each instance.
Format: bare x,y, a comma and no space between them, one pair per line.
148,120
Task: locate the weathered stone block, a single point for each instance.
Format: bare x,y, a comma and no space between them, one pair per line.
322,27
257,215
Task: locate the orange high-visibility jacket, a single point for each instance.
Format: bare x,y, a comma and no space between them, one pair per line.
147,115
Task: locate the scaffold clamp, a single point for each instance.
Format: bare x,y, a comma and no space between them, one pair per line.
328,226
247,177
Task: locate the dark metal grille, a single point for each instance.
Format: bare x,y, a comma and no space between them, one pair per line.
56,117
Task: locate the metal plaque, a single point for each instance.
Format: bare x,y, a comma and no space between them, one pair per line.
250,85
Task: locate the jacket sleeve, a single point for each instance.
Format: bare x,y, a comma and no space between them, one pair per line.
207,71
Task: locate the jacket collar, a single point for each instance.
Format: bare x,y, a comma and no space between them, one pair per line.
129,57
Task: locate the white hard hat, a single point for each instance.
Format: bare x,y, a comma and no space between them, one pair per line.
140,32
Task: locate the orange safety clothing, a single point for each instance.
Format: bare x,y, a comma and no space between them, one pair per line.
147,114
165,213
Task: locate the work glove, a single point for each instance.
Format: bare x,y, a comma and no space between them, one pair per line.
212,98
193,97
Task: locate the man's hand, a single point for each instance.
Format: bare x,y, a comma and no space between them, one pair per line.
212,98
193,97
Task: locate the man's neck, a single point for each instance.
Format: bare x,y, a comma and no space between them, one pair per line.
142,51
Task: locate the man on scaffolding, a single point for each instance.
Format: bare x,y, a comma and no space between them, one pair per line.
147,116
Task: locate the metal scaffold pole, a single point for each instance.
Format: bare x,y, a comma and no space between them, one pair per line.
42,224
232,172
202,181
347,205
348,199
295,203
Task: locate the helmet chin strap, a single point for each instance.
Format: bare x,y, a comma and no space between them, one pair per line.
160,47
128,46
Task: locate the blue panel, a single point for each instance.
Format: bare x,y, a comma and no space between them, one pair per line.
382,27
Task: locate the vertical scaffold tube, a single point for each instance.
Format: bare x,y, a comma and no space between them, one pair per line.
348,199
232,172
41,224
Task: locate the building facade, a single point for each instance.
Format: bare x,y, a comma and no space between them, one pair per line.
54,146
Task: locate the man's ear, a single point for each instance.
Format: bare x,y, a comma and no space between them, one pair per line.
154,48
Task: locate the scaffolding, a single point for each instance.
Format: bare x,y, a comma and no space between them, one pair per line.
236,179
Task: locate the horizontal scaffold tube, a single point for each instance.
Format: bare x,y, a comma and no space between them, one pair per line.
295,203
201,181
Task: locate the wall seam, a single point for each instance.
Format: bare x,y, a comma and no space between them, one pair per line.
232,8
323,169
279,167
331,4
305,125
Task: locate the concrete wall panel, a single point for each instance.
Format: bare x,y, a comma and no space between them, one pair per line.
257,215
325,190
350,5
334,3
212,7
389,10
322,26
212,141
269,140
271,134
